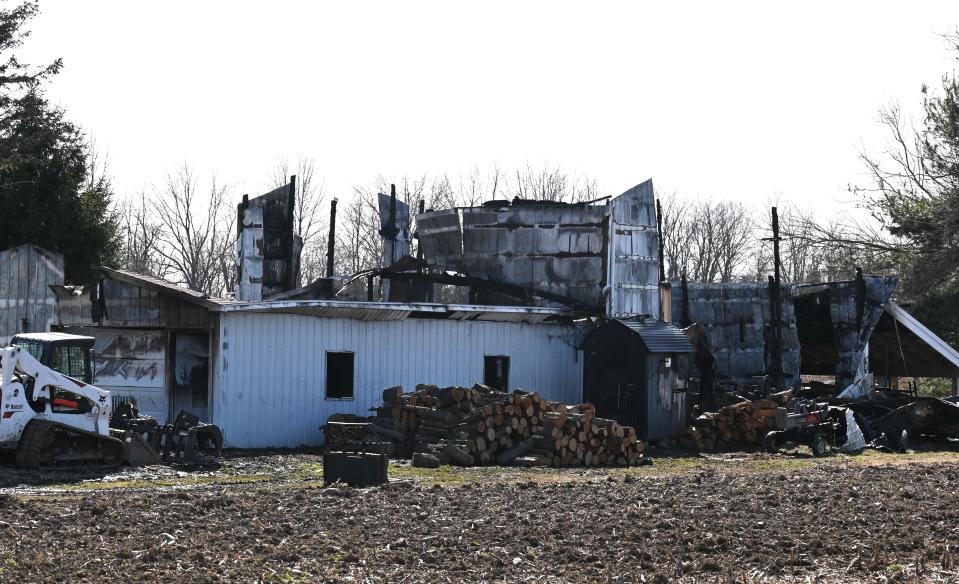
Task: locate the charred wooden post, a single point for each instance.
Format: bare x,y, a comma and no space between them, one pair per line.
860,297
292,266
659,228
331,240
419,244
775,309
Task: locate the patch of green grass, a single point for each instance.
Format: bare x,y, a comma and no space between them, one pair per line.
156,483
447,474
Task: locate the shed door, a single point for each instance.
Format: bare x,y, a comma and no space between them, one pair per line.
191,368
613,382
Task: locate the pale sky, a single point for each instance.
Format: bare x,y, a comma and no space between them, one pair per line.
741,101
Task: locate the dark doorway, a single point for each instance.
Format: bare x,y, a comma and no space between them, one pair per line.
191,370
496,372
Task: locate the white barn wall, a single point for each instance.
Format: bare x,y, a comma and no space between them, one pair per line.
270,369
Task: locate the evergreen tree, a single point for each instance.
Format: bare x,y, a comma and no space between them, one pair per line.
49,194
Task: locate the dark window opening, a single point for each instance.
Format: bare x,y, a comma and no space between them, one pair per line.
496,372
339,375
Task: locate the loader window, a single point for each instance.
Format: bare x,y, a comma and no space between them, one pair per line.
70,361
339,375
67,402
32,347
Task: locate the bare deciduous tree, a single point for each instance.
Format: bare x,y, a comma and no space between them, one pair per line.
706,241
309,217
197,237
141,237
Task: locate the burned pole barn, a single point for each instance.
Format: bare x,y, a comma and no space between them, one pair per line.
566,299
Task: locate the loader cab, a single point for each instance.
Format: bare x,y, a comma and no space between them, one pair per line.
71,355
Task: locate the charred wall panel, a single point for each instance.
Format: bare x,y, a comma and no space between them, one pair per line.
842,338
549,247
125,305
26,301
267,249
558,249
441,235
573,251
738,323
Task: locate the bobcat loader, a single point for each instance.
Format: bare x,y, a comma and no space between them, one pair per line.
54,420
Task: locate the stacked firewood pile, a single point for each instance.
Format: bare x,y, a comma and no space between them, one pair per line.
481,426
738,425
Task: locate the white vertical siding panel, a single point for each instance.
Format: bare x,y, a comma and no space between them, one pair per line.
270,389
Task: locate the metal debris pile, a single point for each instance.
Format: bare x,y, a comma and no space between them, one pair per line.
482,426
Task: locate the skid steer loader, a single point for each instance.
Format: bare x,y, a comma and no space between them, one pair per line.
52,419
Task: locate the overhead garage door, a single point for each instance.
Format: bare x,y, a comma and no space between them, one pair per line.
131,364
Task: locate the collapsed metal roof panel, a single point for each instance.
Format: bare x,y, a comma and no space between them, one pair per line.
658,336
165,287
401,311
920,330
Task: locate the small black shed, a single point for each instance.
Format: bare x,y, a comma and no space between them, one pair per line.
635,372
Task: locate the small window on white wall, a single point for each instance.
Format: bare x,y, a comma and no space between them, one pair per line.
496,372
339,375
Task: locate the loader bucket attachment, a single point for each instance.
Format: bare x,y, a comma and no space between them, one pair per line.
190,441
137,451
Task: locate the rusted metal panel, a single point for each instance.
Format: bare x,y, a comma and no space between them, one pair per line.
27,304
633,257
267,248
737,319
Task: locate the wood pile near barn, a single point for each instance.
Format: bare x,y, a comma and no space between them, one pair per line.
481,426
738,425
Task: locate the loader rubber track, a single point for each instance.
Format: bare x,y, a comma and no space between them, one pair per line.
50,445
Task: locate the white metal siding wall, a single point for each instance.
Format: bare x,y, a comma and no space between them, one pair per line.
270,369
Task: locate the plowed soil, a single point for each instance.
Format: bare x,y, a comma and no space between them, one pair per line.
268,518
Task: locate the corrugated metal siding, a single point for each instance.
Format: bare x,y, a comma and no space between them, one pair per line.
270,370
128,305
737,317
633,261
26,273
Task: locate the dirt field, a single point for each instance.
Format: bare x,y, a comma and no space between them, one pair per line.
267,517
